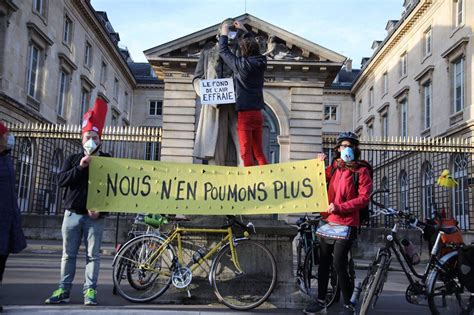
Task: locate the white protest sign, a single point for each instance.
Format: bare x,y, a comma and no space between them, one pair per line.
217,91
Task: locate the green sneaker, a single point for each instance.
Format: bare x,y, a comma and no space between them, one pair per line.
90,297
59,296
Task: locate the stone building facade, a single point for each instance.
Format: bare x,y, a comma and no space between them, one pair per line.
56,57
419,84
418,81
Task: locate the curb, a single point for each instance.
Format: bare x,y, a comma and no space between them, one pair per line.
105,250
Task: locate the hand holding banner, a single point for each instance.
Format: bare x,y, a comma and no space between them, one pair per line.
135,186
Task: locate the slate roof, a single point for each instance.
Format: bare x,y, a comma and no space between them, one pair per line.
142,72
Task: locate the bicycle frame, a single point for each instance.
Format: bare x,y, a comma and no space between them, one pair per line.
395,246
177,234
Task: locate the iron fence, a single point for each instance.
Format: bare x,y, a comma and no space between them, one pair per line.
41,149
409,169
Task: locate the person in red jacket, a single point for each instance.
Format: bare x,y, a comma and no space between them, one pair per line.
345,201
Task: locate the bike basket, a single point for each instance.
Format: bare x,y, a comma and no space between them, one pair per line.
466,267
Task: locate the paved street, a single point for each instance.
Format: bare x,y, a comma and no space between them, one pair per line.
31,276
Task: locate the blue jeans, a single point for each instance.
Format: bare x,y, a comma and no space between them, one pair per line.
75,228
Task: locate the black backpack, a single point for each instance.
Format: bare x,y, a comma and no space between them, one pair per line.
364,213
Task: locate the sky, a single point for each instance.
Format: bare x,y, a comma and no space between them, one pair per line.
347,27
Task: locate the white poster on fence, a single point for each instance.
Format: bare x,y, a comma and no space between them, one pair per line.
217,91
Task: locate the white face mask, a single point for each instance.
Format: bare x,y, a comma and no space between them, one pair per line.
10,142
232,35
90,147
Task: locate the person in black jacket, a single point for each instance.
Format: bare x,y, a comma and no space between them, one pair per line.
80,223
248,72
12,239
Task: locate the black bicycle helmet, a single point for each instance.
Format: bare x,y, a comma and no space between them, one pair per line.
349,136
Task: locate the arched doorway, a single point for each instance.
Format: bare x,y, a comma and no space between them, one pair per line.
271,130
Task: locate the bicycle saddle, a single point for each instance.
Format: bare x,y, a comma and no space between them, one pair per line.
449,229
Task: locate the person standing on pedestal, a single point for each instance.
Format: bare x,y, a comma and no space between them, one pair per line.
217,123
249,70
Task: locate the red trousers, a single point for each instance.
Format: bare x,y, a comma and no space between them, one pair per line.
249,128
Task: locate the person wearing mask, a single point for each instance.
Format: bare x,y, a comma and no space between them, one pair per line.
79,223
12,239
336,237
248,70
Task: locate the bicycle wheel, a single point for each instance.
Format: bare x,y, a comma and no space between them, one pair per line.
300,257
375,284
445,293
250,287
144,281
310,274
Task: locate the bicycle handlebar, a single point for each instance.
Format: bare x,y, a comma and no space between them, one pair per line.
412,221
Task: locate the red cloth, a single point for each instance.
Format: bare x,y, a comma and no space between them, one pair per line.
3,129
343,194
94,119
249,128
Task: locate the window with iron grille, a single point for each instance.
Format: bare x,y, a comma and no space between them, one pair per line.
460,191
404,201
427,180
24,170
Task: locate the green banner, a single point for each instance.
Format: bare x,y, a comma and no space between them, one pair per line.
123,185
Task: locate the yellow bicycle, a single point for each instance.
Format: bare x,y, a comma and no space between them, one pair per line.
243,272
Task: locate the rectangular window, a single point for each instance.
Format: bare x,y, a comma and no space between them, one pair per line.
385,83
115,119
152,151
403,65
404,118
116,88
427,104
428,43
459,12
385,125
85,99
103,73
371,97
126,102
33,71
88,55
330,112
370,130
155,108
458,80
359,110
67,32
38,6
62,93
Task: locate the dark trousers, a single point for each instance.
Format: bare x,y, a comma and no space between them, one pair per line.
3,261
338,251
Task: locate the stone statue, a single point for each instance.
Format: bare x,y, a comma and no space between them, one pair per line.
217,123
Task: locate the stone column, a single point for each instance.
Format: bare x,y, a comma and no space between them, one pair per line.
179,107
306,122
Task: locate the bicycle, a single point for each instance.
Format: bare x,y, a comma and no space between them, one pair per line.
308,262
142,225
243,272
438,270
